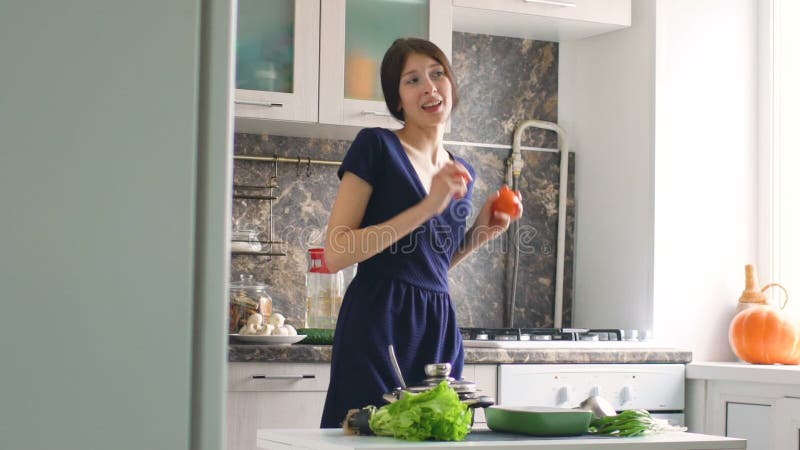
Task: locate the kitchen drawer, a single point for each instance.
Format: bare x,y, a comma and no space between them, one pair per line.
548,20
278,377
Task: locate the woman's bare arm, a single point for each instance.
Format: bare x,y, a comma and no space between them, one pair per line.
347,244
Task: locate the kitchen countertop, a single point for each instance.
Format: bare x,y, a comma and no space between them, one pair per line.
741,371
322,353
334,439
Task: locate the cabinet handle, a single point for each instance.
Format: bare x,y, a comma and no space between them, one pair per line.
283,377
254,103
553,3
375,113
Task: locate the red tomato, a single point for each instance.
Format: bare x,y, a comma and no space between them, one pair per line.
507,202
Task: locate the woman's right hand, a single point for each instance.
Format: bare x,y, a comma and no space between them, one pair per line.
449,182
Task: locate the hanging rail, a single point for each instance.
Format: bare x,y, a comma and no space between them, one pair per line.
285,159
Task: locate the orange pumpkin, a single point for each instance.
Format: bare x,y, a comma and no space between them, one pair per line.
763,335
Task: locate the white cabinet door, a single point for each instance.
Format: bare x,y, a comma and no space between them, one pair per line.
273,395
249,411
766,414
277,60
751,422
548,20
485,377
786,424
354,35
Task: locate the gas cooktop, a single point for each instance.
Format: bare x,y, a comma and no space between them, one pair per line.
545,337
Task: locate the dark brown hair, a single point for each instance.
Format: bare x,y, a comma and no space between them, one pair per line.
392,67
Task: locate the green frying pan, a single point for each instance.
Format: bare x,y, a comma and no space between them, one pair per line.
538,420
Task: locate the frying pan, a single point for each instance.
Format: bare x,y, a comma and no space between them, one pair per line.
538,420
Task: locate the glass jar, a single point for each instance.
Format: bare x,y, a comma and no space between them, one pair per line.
324,292
247,297
245,241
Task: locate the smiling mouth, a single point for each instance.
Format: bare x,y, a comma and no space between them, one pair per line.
432,105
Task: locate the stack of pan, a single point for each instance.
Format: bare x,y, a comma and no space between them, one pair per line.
467,390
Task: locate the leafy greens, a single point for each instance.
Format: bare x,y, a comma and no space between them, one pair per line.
436,414
629,423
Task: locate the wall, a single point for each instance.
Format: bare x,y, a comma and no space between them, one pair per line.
706,65
111,266
502,81
606,92
664,113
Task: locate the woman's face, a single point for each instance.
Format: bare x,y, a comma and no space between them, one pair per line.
425,91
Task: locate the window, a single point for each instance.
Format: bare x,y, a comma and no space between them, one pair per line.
780,143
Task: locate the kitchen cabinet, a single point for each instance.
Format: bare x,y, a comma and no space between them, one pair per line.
787,424
277,59
748,421
273,395
292,395
546,20
485,377
335,48
754,402
362,30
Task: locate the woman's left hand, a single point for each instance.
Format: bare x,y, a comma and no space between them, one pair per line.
490,223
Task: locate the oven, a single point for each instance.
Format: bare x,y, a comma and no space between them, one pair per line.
658,388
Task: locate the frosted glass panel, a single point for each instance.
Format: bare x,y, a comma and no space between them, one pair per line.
265,45
371,27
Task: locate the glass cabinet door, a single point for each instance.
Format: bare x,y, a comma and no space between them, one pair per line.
277,68
354,36
370,28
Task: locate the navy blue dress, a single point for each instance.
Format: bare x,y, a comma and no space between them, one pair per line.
399,296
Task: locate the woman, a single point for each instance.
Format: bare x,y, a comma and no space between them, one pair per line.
400,213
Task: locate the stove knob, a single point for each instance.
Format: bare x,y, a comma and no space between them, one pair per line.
562,396
594,391
626,395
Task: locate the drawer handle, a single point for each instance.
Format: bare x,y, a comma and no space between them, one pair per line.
283,377
375,113
254,103
552,3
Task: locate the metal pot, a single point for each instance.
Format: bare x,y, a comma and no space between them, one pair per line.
437,372
471,399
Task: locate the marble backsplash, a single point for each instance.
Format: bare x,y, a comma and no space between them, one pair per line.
502,81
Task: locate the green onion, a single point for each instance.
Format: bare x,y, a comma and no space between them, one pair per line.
629,423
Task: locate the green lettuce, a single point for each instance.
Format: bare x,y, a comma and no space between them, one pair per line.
436,414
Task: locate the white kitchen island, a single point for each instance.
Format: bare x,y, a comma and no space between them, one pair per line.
334,439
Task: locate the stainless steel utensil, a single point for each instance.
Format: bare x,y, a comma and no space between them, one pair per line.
438,370
396,366
599,406
483,401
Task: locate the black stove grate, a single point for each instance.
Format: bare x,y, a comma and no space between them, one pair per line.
540,334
